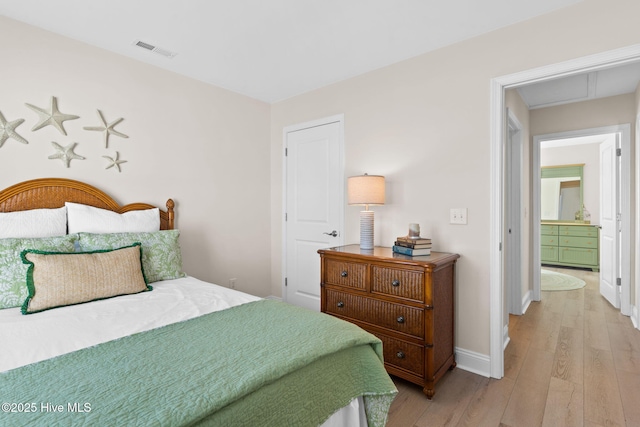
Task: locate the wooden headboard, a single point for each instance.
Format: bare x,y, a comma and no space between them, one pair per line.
53,192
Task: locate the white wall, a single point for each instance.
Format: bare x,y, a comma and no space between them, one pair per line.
200,145
424,124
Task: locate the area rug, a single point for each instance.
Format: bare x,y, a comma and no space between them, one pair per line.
553,281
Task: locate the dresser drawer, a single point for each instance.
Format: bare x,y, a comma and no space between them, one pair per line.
548,240
349,274
403,355
548,253
398,283
586,257
395,317
577,230
578,242
551,230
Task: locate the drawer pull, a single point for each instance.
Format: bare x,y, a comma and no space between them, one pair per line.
344,273
400,355
395,283
400,319
340,304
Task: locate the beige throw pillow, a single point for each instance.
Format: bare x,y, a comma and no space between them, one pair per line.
59,279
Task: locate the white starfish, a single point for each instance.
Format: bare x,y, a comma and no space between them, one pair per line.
8,130
107,128
52,117
114,161
66,153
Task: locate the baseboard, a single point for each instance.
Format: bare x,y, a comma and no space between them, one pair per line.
473,362
273,297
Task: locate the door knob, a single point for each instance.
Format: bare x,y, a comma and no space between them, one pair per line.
334,233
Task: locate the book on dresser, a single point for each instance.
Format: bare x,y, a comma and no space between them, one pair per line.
410,251
406,240
412,245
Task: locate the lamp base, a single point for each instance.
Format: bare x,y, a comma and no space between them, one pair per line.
366,229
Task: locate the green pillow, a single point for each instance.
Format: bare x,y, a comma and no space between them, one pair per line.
161,255
13,273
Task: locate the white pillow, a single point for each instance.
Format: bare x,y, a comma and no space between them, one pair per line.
87,219
34,223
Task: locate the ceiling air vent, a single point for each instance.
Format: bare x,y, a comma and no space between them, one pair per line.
154,49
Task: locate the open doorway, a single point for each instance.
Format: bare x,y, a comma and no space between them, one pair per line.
586,234
605,187
498,318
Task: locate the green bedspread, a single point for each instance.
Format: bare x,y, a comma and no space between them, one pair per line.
264,363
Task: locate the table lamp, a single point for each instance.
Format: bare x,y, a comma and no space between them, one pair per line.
366,190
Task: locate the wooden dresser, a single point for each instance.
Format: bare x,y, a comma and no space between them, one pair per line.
407,302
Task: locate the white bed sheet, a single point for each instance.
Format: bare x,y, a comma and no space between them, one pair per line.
31,338
27,339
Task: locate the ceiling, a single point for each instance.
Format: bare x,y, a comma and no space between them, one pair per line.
612,81
274,49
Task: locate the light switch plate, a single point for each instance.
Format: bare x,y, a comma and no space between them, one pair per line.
458,216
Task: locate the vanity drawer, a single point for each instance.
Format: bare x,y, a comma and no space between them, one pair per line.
551,230
548,253
395,317
579,242
587,257
549,240
398,283
403,355
577,230
348,274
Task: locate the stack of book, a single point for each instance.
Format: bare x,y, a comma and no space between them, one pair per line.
412,246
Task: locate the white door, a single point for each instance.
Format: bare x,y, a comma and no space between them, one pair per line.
314,205
609,243
513,183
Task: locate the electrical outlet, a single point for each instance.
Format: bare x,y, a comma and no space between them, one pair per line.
458,215
232,283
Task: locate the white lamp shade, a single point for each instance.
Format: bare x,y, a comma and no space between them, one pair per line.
365,190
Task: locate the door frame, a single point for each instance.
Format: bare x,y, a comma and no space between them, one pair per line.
338,118
625,204
498,85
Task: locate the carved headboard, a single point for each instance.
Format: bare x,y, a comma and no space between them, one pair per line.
54,192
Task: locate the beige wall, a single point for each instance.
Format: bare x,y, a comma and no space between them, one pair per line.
614,110
201,145
424,124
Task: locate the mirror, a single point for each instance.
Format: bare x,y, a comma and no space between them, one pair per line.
561,193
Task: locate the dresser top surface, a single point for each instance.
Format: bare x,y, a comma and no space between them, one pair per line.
384,253
575,224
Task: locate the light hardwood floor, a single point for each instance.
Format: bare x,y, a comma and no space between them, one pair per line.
573,360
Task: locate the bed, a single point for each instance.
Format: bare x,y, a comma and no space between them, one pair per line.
106,329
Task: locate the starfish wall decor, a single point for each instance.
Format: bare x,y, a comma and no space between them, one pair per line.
114,161
66,153
8,130
52,117
107,128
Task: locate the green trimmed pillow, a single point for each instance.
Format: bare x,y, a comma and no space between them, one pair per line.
57,279
161,255
13,288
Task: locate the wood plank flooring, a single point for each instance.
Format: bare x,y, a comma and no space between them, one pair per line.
573,360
